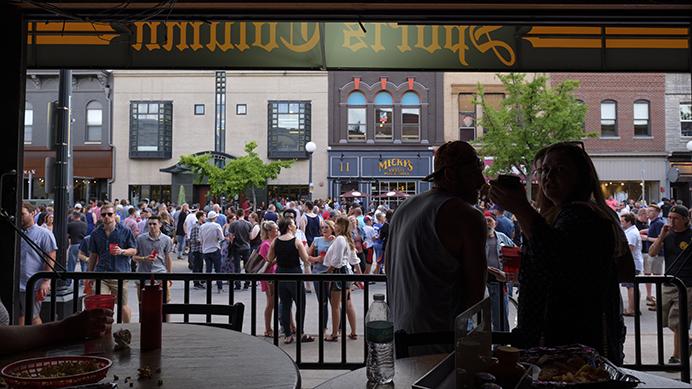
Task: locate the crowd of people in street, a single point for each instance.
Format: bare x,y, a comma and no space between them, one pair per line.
442,251
291,236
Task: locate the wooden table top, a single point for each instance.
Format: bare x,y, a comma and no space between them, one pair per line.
192,356
409,370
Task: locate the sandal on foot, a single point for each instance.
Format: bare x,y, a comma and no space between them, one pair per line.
269,334
307,339
331,338
353,336
288,339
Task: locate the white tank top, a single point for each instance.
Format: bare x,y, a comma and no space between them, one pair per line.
424,281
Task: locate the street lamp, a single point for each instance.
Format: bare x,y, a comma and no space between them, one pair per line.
310,147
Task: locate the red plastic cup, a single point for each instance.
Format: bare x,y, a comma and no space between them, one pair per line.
102,301
105,301
112,248
153,254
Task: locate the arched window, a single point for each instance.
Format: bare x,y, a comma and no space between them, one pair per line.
410,117
357,117
28,122
609,127
641,118
384,109
94,122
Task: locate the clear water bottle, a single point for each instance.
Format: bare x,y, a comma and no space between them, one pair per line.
379,333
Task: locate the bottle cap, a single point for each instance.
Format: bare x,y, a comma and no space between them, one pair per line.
378,297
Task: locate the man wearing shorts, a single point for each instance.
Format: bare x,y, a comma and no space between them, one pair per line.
653,264
111,245
31,263
674,239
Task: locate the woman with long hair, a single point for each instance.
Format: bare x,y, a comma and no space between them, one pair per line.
167,226
288,252
320,245
552,309
48,221
340,258
268,233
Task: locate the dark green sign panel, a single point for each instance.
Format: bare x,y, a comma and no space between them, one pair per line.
294,45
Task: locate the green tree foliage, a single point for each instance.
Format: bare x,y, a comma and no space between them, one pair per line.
238,175
532,115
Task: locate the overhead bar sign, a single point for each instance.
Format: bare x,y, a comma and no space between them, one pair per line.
332,46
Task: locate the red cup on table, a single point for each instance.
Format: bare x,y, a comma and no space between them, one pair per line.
100,301
113,248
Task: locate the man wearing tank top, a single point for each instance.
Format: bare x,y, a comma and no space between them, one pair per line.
435,255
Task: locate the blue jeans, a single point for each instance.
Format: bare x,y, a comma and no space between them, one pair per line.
181,244
214,259
496,291
72,259
289,293
236,256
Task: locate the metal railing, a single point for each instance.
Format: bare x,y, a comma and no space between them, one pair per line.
322,279
683,331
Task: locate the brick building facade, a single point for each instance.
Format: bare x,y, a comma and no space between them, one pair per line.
627,113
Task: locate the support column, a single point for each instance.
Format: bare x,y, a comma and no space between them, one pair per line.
12,151
62,164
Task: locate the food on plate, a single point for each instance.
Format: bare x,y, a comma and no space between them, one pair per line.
61,369
567,364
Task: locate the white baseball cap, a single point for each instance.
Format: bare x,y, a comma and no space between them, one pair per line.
212,215
78,206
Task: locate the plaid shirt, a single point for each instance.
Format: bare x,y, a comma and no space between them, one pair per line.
195,242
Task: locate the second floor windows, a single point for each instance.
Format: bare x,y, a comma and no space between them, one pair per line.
384,113
608,119
94,128
151,129
641,118
385,118
470,112
686,119
289,129
28,123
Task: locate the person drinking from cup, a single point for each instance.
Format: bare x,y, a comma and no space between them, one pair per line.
111,246
551,310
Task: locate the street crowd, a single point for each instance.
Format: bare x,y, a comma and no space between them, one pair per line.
443,250
288,236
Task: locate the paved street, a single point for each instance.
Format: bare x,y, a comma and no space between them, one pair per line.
355,348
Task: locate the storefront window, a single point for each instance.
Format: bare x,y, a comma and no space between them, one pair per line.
383,116
357,121
382,187
410,117
151,192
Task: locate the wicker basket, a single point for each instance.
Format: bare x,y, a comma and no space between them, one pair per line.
25,373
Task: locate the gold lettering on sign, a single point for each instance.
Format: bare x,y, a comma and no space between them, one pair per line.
310,41
377,46
182,31
242,44
344,167
270,44
434,38
395,166
214,43
459,45
403,29
478,32
153,38
353,32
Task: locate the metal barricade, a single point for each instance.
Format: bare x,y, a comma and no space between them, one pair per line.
322,279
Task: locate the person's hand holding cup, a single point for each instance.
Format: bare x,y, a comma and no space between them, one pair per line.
100,302
152,256
114,249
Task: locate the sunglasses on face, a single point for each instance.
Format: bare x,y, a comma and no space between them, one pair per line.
153,224
106,213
